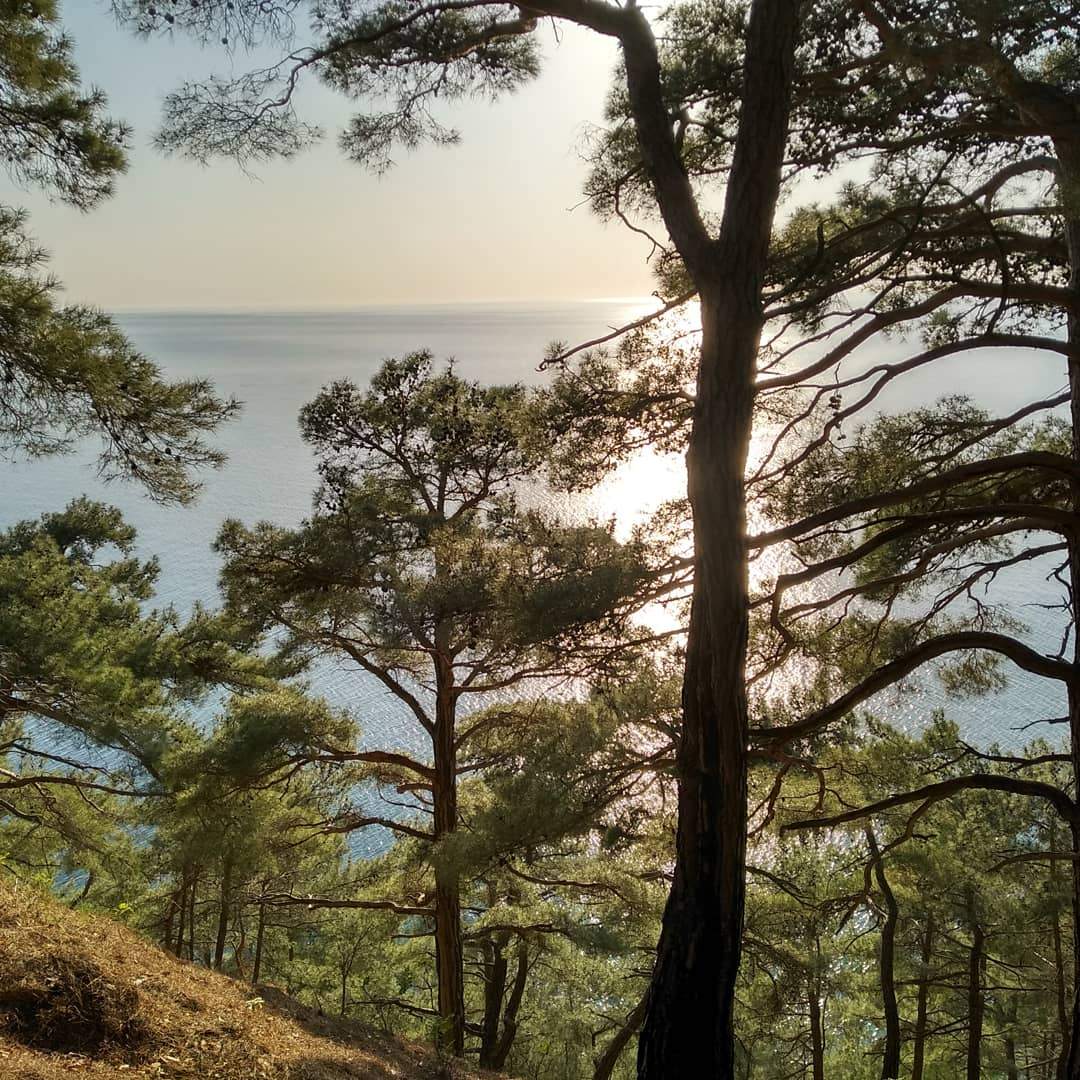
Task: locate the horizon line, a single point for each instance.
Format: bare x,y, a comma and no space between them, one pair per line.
270,309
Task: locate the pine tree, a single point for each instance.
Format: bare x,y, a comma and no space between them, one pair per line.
419,567
67,371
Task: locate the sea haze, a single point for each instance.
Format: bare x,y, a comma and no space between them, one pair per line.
275,362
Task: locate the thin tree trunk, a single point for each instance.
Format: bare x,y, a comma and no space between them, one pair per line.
1061,995
256,966
240,945
890,1060
170,919
689,1024
975,1000
191,913
1012,1071
223,913
84,892
817,1027
183,898
918,1038
448,950
606,1062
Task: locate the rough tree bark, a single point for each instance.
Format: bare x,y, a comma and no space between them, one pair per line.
688,1028
448,949
1068,154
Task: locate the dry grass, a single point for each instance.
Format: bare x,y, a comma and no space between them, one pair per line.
84,995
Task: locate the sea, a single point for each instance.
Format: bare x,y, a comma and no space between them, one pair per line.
274,362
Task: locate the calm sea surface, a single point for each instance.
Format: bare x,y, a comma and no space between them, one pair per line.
274,363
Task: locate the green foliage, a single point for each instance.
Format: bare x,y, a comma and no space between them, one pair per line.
427,563
54,134
76,649
417,541
68,373
409,60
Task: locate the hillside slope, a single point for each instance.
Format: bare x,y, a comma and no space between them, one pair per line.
83,995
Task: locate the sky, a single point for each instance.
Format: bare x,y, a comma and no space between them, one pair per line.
497,217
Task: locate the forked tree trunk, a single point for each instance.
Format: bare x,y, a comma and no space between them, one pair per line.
499,1026
510,1010
689,1024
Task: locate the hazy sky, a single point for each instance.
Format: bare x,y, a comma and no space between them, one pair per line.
490,219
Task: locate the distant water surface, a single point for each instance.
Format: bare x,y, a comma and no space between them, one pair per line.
275,362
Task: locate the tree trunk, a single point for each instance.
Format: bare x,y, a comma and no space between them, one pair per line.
689,1027
817,1026
975,1000
1012,1071
448,950
223,913
170,919
84,892
606,1062
191,913
256,965
890,1060
918,1038
496,970
182,903
167,923
513,1005
1061,995
240,944
1068,155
